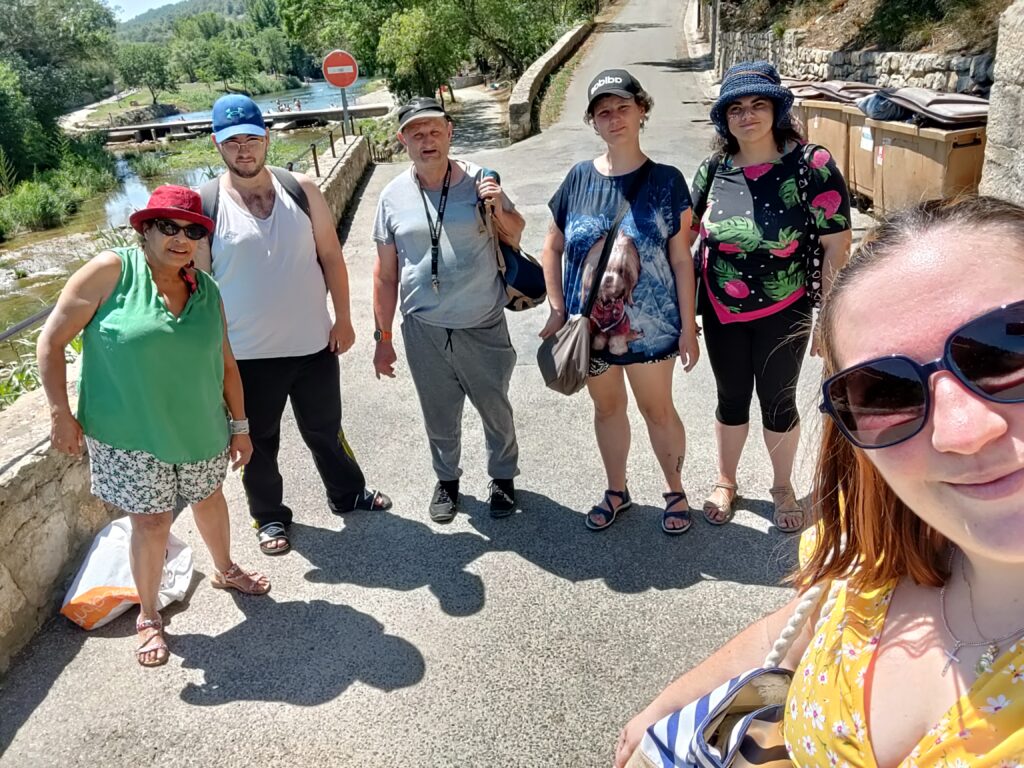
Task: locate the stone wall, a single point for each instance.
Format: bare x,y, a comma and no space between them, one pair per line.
941,72
520,103
47,519
47,515
341,176
1003,174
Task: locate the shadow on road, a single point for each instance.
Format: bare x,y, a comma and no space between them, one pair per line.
479,125
382,550
304,653
617,26
693,64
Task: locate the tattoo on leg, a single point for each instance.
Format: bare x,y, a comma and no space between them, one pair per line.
679,463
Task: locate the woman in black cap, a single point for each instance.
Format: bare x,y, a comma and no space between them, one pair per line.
643,316
773,215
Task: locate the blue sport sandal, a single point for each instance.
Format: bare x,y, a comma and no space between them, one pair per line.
612,512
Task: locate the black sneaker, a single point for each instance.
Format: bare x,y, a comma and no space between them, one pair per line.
445,501
503,497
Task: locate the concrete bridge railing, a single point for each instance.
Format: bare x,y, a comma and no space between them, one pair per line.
47,515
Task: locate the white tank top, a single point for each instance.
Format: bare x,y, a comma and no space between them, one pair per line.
270,279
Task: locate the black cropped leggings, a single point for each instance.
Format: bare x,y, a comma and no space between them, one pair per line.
766,353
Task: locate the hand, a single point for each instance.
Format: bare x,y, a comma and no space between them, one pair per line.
630,738
490,191
556,319
384,359
815,344
342,337
689,349
66,434
240,451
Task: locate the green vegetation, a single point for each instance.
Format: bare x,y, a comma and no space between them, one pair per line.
47,199
20,375
147,165
553,97
157,25
420,44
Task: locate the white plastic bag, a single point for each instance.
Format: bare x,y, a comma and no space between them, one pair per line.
103,588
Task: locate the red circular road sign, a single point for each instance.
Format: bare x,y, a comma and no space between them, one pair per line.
340,69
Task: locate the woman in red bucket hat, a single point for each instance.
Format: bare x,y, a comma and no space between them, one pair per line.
160,406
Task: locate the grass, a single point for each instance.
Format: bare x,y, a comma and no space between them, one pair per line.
49,199
21,375
147,165
192,97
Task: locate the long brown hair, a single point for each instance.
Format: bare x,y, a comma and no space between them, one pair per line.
864,530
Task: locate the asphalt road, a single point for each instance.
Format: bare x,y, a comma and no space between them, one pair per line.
391,641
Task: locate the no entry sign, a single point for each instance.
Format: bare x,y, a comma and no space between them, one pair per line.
340,69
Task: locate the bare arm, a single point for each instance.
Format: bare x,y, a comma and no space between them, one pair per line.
385,300
551,261
837,252
83,294
240,448
328,250
686,292
745,651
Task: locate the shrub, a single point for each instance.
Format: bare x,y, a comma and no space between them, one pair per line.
38,205
147,164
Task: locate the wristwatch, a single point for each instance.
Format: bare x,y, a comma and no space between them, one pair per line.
379,335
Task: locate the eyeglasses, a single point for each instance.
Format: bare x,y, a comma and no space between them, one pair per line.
885,401
250,145
169,228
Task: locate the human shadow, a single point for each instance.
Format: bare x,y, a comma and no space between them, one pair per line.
689,64
267,657
34,670
383,550
634,555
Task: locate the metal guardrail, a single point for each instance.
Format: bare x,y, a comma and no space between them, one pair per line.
26,324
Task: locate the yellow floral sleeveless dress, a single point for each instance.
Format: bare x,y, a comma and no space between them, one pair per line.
826,722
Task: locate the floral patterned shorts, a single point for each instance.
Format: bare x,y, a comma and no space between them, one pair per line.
140,484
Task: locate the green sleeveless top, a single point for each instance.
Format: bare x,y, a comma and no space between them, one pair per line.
151,381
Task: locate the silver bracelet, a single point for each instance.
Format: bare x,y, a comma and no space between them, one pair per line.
239,426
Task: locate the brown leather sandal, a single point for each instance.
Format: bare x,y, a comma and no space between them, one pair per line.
246,582
716,513
148,646
786,503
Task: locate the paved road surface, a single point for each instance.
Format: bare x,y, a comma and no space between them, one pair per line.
391,641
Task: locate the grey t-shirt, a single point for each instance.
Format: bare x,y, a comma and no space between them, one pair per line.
470,293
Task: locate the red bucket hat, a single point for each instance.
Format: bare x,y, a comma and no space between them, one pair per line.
172,202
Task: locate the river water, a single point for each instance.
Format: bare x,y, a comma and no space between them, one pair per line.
316,95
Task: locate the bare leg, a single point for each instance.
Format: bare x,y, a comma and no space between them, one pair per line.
211,516
730,441
782,447
148,545
608,391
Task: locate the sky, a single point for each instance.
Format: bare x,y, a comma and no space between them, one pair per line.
127,9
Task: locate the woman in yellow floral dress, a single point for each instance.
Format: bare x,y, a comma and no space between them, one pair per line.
920,663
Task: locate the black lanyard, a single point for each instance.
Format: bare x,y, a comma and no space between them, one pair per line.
435,230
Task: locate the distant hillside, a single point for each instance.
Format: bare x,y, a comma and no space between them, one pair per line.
938,26
156,25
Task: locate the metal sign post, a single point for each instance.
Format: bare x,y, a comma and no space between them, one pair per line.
341,70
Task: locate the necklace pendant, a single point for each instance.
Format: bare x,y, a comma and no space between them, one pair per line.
988,658
951,656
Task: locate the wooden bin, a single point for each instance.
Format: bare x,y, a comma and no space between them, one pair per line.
914,164
826,123
860,176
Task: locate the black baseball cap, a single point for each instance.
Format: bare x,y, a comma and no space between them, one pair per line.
418,108
617,82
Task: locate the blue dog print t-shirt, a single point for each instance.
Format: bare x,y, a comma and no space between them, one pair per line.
636,315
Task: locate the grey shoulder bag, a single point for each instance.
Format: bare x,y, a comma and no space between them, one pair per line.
564,357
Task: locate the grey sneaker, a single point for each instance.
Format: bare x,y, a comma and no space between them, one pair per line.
445,501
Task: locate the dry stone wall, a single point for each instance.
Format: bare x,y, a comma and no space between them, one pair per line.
1003,174
941,72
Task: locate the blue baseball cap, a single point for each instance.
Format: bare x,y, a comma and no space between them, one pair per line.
236,114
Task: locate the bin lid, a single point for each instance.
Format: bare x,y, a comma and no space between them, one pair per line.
947,109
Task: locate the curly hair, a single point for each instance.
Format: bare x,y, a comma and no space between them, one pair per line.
643,99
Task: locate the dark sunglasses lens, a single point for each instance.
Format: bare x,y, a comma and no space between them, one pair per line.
880,403
195,231
166,227
989,354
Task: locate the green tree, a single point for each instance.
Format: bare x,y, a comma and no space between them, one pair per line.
219,62
145,65
202,26
420,51
273,50
354,25
185,58
263,14
22,138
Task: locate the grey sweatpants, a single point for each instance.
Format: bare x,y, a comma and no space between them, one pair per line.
447,366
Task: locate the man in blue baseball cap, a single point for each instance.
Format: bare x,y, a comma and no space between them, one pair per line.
275,256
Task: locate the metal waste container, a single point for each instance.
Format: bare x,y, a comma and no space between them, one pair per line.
913,164
827,124
860,176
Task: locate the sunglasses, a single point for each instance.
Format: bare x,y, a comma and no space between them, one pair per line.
169,228
886,401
